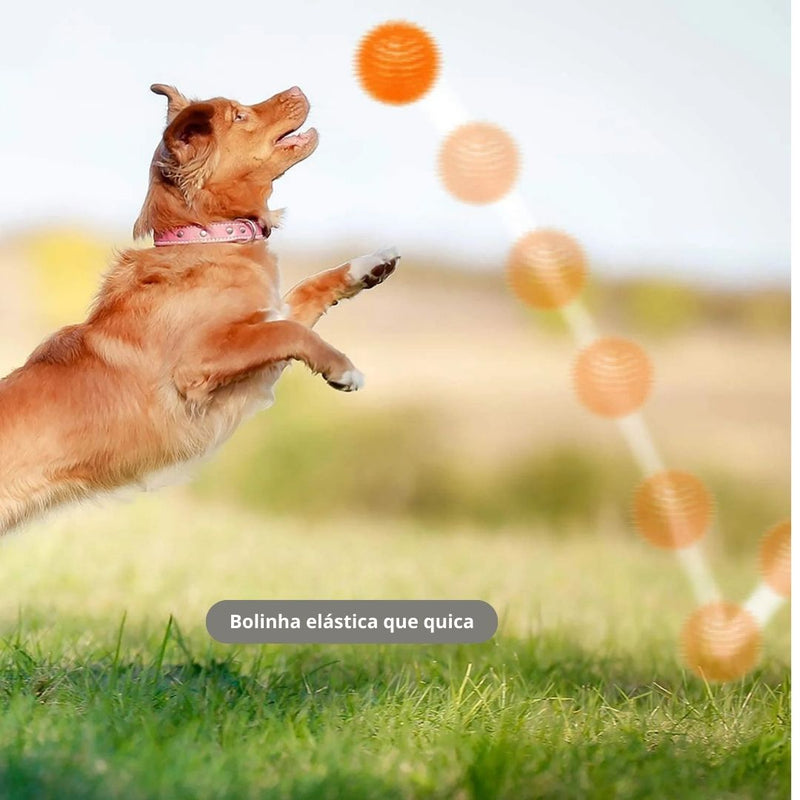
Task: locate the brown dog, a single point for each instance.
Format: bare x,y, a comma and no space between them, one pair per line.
187,338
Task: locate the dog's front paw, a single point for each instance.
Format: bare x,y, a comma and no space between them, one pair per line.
351,380
369,271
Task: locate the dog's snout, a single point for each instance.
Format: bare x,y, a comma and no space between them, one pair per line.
293,97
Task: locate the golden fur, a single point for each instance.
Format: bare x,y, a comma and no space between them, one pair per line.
183,341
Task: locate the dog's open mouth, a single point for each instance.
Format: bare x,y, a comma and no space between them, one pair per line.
293,139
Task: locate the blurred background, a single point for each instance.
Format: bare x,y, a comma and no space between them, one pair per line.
657,134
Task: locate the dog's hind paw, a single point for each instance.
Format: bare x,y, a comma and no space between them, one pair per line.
369,271
350,380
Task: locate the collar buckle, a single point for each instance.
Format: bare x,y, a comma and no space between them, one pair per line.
255,230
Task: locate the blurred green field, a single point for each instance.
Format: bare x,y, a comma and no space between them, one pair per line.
319,457
465,469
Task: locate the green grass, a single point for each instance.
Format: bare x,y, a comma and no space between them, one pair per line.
539,718
580,695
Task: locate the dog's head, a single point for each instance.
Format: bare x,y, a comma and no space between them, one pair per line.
218,158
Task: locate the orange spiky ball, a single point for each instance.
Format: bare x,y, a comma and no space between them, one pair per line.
397,62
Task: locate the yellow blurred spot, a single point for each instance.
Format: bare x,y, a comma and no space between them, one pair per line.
721,642
66,267
546,269
397,62
612,377
672,509
776,558
478,163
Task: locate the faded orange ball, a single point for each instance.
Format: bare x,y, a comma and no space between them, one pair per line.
613,377
672,509
478,163
776,558
397,62
546,269
721,642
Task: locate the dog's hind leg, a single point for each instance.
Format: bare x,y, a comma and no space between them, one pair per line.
311,298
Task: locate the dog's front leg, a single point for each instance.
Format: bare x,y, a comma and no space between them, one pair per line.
311,298
232,352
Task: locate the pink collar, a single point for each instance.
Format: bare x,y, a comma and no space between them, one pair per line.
234,230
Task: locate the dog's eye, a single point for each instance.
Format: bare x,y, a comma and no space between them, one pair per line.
239,116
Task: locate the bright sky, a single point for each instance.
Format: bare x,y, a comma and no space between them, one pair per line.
655,132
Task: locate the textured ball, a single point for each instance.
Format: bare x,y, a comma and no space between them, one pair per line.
721,642
546,269
776,558
672,509
612,377
397,62
478,163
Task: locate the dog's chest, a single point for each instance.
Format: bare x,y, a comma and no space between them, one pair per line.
233,404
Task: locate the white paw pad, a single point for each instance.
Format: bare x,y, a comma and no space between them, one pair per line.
369,271
350,380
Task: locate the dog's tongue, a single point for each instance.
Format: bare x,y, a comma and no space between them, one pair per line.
295,139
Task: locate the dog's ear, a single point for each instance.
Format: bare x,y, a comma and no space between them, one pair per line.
187,153
176,102
190,131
